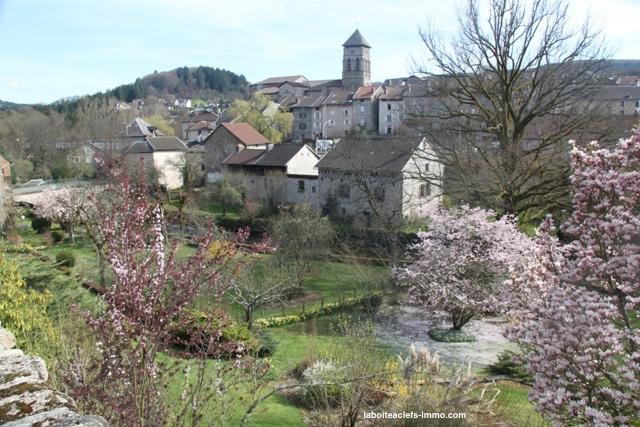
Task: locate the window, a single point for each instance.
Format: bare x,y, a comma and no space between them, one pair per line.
388,107
637,104
313,189
388,118
622,103
316,125
357,64
378,193
346,122
300,186
302,126
361,122
348,64
362,108
343,191
426,167
425,190
316,115
389,130
303,115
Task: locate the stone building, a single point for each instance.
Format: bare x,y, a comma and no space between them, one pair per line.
379,181
281,175
356,62
227,139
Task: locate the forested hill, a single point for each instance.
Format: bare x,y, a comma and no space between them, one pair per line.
183,82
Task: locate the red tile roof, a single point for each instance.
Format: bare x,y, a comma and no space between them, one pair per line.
245,133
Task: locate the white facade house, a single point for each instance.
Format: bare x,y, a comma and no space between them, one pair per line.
281,175
165,154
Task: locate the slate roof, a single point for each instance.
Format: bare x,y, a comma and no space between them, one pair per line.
167,143
309,101
269,90
245,133
614,93
380,154
356,39
156,143
139,128
244,157
279,155
139,147
281,79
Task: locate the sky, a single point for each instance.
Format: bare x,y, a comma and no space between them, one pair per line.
50,49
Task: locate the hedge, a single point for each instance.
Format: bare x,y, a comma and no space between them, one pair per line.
277,321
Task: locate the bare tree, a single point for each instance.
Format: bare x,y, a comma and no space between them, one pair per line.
511,89
257,287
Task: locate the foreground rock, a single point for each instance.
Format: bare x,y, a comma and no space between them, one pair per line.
26,397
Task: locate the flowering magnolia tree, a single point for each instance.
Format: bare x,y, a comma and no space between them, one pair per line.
462,262
66,206
150,289
579,328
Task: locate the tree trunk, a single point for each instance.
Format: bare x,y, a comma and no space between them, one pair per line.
248,317
460,318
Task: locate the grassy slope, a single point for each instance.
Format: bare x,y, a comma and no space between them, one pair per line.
330,280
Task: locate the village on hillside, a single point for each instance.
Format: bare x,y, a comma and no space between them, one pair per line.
458,246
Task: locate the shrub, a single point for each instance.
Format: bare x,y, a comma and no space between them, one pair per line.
23,311
66,258
268,344
366,301
57,236
196,328
372,303
507,364
317,392
451,335
40,225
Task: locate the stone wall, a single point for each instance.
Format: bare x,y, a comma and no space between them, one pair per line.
26,396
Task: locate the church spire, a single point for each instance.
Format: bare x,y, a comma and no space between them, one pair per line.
356,62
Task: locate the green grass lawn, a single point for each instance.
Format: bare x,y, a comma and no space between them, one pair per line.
327,281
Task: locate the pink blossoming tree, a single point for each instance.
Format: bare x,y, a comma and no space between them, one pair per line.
462,262
150,289
66,206
581,333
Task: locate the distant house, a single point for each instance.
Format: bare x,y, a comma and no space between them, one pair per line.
199,125
83,157
227,139
164,154
137,129
282,174
374,181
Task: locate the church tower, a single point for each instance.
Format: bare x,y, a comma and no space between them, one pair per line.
356,63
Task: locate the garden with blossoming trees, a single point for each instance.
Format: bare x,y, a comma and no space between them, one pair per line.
144,324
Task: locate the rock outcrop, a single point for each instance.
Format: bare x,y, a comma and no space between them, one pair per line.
26,397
